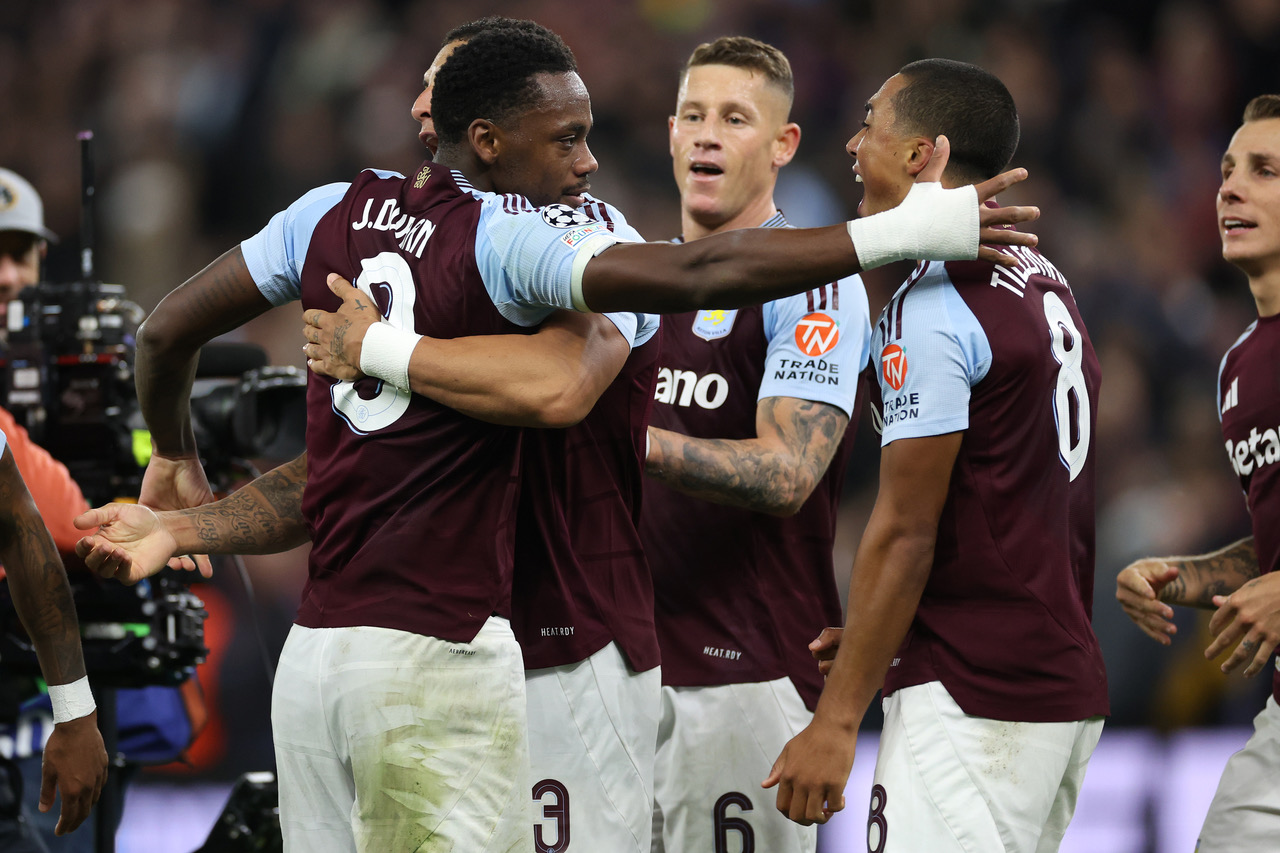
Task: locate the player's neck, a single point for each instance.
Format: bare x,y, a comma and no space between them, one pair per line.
459,157
695,227
1265,288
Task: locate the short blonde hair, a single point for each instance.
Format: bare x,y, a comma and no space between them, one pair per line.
748,53
1263,106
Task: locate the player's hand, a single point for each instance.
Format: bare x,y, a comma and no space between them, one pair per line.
1251,615
812,771
988,218
824,648
1138,590
334,339
131,543
75,766
177,482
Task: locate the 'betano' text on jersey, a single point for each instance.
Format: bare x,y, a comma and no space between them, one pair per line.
740,594
1249,405
411,505
1002,354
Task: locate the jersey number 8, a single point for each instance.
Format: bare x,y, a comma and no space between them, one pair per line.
1070,380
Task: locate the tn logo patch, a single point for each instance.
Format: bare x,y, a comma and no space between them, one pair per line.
817,334
893,362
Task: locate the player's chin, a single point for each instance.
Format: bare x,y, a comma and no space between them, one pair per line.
574,200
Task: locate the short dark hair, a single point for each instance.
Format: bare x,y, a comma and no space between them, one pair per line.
748,53
1263,106
491,76
471,29
966,103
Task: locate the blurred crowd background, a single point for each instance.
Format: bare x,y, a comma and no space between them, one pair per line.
211,115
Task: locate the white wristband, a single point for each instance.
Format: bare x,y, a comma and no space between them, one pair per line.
931,224
386,352
71,701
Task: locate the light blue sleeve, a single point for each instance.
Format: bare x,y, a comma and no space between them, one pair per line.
638,329
4,442
275,254
529,257
817,353
926,374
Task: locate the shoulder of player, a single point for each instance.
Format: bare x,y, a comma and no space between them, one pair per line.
1234,351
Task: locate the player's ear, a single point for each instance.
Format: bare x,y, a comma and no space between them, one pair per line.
785,144
919,151
671,135
485,139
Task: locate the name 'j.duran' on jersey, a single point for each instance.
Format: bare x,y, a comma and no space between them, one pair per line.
1002,355
442,259
740,594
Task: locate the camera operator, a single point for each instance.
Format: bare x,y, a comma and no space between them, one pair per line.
75,759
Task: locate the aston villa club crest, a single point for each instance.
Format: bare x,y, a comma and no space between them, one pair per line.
713,325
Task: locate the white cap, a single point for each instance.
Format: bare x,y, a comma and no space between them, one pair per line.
20,206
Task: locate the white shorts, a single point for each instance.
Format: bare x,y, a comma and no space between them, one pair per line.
387,740
715,746
1244,816
947,781
592,728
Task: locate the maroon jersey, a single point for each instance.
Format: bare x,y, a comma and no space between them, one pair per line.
1002,354
741,594
1249,405
410,505
581,579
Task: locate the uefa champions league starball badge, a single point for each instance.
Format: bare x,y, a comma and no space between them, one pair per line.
563,216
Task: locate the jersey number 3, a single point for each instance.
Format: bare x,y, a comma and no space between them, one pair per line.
387,272
1067,345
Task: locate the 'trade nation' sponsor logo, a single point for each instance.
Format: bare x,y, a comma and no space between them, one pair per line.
893,363
817,334
715,324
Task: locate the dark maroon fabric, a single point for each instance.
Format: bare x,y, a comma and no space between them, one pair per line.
1249,401
581,579
1004,622
739,594
412,524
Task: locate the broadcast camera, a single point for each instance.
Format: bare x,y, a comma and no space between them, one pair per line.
67,376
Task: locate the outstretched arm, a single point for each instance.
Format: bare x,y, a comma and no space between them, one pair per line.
75,761
215,300
550,378
134,542
889,575
1146,588
756,265
773,473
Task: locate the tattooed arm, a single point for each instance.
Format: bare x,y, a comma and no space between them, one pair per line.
219,298
774,472
1146,588
134,542
75,760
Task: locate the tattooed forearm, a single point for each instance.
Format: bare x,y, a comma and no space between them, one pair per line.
774,473
264,517
1221,572
37,580
217,299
